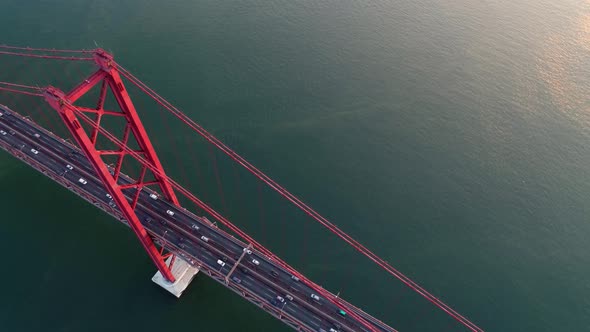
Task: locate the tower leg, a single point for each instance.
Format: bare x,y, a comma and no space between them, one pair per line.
183,273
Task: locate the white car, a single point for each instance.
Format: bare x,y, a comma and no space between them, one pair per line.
220,262
289,297
70,167
82,181
37,135
109,196
170,213
255,262
34,151
195,227
315,297
153,196
282,300
2,132
204,238
248,251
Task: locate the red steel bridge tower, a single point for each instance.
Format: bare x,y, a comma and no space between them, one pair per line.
108,76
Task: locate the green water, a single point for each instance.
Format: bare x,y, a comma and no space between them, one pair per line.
451,137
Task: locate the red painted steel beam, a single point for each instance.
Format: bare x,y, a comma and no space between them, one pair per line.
99,110
85,86
67,112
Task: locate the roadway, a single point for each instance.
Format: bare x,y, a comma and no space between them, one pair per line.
199,242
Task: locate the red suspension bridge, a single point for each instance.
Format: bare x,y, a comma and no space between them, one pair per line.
106,157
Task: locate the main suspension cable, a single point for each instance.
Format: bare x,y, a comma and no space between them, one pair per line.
300,204
45,56
53,50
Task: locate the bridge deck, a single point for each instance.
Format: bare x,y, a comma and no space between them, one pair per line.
191,237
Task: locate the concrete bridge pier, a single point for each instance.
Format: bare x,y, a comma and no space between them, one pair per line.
182,271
